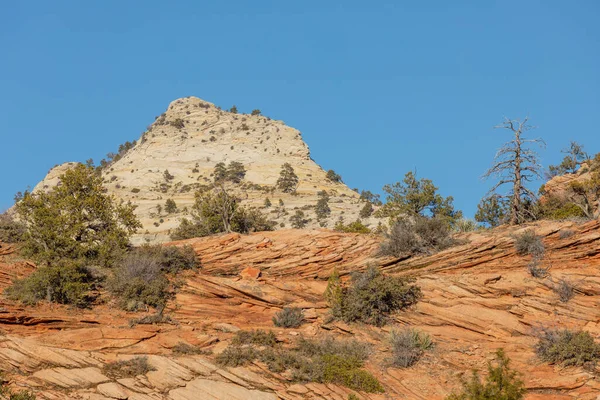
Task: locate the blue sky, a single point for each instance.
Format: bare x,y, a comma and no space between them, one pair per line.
377,88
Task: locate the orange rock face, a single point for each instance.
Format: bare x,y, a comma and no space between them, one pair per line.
250,273
477,297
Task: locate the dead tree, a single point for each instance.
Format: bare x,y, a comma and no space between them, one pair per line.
516,164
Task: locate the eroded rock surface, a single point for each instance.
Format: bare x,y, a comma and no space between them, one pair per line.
478,297
177,155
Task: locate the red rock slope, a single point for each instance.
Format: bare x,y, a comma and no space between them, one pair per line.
477,297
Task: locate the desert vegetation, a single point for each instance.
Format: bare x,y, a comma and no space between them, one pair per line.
113,157
288,180
90,226
216,211
140,278
324,360
79,237
234,172
567,348
501,382
370,298
529,243
11,230
421,235
128,368
353,227
322,209
408,346
289,317
8,394
299,219
333,176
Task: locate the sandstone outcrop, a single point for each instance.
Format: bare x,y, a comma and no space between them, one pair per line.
478,297
178,153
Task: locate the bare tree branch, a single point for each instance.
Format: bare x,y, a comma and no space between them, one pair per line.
516,164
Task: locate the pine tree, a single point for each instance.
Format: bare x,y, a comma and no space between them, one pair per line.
76,220
220,172
322,208
288,180
170,206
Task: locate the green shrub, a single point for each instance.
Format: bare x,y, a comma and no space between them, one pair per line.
21,395
334,293
236,355
333,177
6,393
167,175
564,289
255,112
329,345
289,317
128,368
492,210
339,362
251,219
555,208
112,157
172,259
465,225
311,360
334,368
366,211
64,283
369,197
322,209
280,359
178,123
420,235
256,337
353,227
182,348
567,348
11,231
299,220
152,319
502,383
408,346
139,281
372,297
529,243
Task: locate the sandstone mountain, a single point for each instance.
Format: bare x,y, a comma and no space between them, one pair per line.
478,297
178,153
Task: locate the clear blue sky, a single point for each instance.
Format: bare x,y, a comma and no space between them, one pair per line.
377,88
